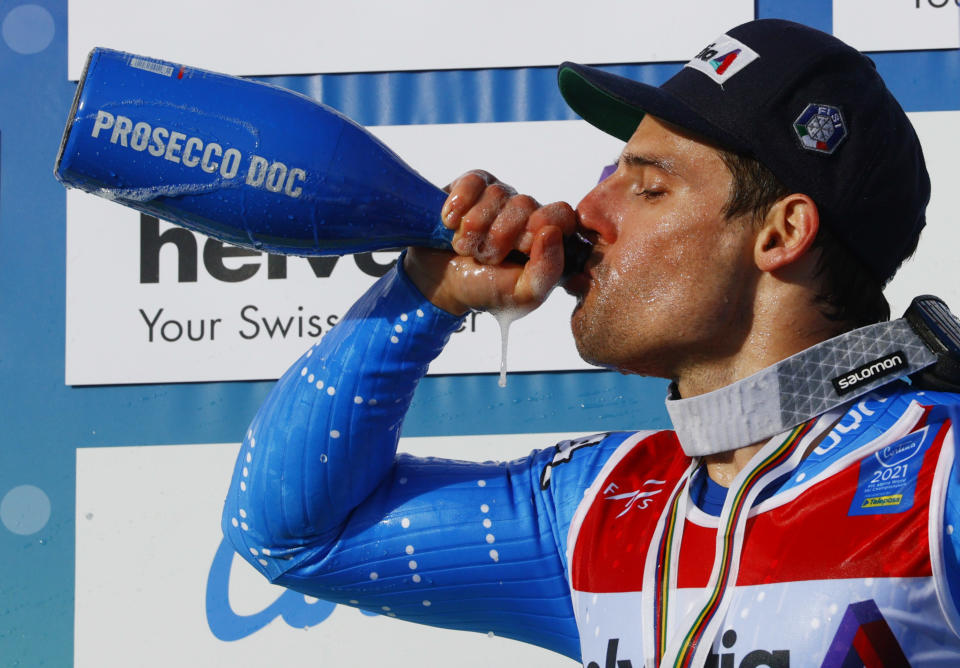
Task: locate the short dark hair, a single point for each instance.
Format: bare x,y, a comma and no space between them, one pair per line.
850,294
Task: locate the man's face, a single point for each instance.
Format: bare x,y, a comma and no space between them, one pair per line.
671,279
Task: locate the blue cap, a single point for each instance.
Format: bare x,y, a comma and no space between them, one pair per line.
810,108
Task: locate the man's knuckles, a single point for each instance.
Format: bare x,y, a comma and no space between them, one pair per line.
557,214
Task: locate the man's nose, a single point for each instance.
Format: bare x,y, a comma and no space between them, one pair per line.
594,214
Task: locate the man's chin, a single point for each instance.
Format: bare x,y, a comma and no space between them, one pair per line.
586,348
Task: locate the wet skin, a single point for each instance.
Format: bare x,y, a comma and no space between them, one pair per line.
671,281
674,288
670,278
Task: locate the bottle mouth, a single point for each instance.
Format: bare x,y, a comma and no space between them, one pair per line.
576,251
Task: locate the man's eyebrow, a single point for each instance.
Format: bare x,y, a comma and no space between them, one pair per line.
639,160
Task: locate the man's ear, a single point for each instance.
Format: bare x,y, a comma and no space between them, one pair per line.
787,233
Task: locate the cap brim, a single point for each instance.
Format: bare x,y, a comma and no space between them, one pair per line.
617,104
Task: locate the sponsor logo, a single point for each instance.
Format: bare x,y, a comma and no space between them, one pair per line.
227,625
870,371
611,659
820,128
864,639
778,658
193,153
564,451
899,452
723,58
881,501
887,480
221,260
851,422
757,658
721,63
638,499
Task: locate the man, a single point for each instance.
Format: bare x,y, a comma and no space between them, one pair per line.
764,196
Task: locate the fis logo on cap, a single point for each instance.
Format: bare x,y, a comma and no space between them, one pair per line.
723,58
820,128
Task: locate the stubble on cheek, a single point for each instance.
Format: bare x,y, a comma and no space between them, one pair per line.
598,318
623,321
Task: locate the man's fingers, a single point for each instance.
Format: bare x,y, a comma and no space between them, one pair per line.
491,220
558,214
475,224
463,195
508,226
544,269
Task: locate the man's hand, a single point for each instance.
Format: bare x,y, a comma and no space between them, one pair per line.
490,220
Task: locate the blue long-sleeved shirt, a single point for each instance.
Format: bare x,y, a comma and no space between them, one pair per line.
320,501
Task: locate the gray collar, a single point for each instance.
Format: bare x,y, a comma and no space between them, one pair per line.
798,388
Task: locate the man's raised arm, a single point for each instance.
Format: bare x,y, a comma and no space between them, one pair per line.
320,502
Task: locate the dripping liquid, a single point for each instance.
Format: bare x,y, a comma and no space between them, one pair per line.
505,318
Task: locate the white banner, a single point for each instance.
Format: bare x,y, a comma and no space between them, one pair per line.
156,586
933,268
897,25
149,303
248,37
134,317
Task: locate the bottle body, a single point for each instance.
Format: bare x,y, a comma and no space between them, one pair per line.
245,162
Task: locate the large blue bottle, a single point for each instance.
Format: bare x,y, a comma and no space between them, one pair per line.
245,162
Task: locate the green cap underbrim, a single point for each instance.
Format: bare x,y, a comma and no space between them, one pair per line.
598,107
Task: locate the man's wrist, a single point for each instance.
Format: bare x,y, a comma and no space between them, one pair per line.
425,268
